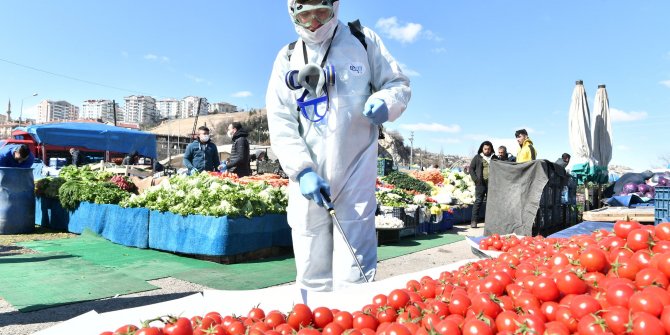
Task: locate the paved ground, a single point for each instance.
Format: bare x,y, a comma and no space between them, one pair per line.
16,323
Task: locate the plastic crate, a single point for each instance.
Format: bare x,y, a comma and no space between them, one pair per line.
384,166
661,204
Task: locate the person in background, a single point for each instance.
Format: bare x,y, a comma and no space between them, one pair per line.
16,156
479,171
504,156
202,154
239,160
564,160
131,159
527,151
332,150
76,157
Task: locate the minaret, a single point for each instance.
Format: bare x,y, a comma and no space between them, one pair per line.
9,111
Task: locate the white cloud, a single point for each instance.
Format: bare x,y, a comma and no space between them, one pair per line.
197,80
407,71
665,83
404,33
429,35
432,127
152,57
621,116
124,54
242,94
439,50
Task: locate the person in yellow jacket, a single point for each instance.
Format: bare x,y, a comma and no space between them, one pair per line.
527,151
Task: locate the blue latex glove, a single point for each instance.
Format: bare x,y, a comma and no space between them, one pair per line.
311,185
377,111
193,171
223,168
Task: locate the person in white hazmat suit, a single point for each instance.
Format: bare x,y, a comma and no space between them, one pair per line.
323,121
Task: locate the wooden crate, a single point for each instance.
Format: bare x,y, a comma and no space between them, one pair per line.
612,214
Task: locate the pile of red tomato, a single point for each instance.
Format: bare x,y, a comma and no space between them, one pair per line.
602,283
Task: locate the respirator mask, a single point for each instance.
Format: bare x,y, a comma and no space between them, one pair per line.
315,82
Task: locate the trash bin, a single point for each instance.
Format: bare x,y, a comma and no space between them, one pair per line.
17,201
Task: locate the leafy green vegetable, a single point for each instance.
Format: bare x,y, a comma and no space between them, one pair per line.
407,182
207,195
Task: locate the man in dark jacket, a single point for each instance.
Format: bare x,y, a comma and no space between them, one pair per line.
479,171
238,162
201,154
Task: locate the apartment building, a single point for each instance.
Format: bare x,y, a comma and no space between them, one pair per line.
56,111
140,109
101,109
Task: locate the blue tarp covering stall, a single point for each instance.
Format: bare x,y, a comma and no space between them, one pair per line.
126,226
216,236
96,136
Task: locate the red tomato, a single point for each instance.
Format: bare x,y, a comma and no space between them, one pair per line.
645,302
556,328
651,276
662,231
447,327
591,324
506,320
300,316
639,239
236,328
593,259
149,331
582,305
398,299
459,304
397,329
622,228
181,326
322,316
533,323
476,327
362,321
308,331
617,319
546,289
344,319
482,303
126,329
386,314
274,319
256,314
379,300
619,294
646,324
569,283
332,329
665,319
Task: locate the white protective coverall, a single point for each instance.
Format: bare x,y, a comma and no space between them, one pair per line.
342,149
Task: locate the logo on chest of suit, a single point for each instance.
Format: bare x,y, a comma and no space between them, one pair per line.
356,69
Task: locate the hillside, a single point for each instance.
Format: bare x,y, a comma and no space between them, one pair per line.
215,122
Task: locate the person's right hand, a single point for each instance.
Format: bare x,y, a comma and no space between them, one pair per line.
311,185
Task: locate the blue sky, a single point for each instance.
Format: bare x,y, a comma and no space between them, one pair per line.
479,69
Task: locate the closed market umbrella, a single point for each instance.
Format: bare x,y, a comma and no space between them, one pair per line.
579,122
602,128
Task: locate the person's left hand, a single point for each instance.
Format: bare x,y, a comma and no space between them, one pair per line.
223,168
377,111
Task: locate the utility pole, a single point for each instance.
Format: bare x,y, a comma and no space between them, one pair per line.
411,149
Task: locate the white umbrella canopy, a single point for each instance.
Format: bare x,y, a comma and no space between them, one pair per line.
579,123
602,128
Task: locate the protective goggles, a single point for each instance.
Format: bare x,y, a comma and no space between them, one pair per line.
305,13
